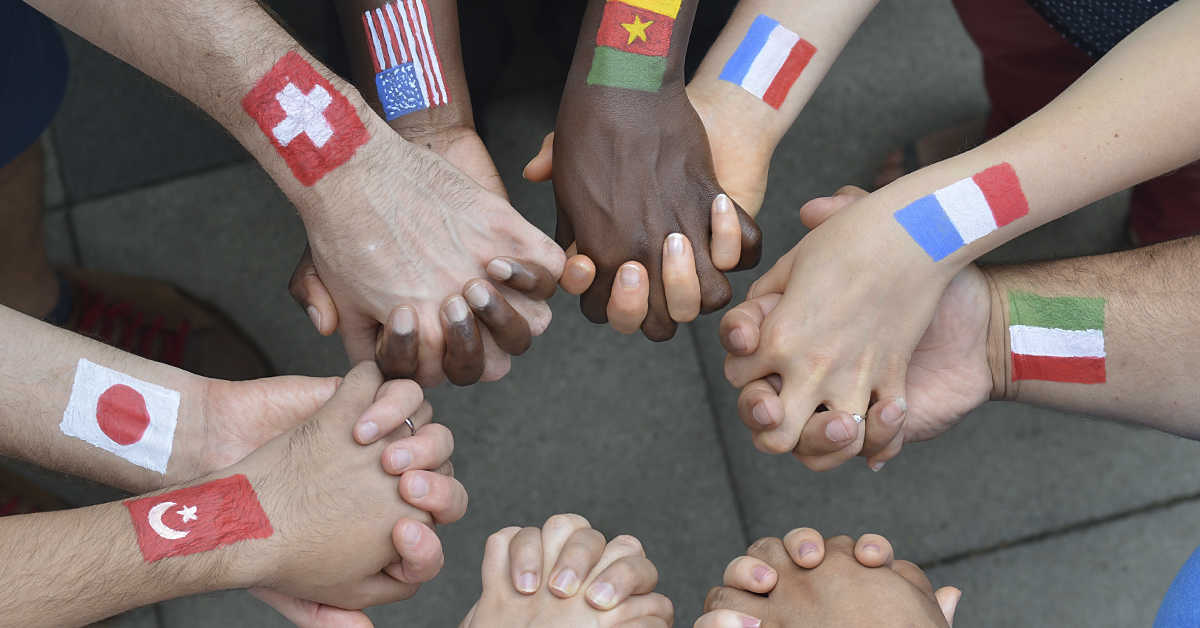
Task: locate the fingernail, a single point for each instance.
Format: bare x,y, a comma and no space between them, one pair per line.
456,310
807,548
737,339
404,321
750,622
630,277
579,271
761,415
870,547
418,487
566,582
527,583
722,205
411,534
602,594
478,296
367,432
675,245
401,459
315,315
876,466
893,411
761,573
837,432
500,270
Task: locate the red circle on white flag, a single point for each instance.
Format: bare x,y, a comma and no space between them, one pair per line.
122,414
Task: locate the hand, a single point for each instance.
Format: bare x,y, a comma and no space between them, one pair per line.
364,542
808,581
618,580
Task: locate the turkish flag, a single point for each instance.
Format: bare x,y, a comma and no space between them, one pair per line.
312,125
198,518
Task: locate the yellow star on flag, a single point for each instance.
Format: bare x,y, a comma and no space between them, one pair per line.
637,29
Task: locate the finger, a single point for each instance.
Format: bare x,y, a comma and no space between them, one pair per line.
645,622
647,605
884,422
557,530
528,278
395,401
508,328
428,450
723,618
750,574
444,498
680,282
579,554
914,575
739,330
495,559
627,301
381,588
658,326
805,546
829,436
771,551
840,546
624,577
580,273
818,210
354,394
872,550
726,245
306,614
728,598
715,291
309,291
541,167
947,598
496,362
798,407
464,359
420,551
751,248
759,406
398,345
525,560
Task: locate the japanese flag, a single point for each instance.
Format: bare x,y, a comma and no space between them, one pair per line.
123,415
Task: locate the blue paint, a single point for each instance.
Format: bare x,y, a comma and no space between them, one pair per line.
739,64
399,91
928,224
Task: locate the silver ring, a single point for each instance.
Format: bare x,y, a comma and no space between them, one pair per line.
412,428
857,418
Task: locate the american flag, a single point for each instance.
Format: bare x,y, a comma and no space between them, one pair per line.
399,33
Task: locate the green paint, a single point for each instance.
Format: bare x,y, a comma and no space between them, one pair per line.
618,68
1075,313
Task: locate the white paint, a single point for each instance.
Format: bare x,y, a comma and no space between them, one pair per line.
79,419
375,41
416,59
435,68
1057,343
387,38
769,61
968,209
305,114
160,528
188,513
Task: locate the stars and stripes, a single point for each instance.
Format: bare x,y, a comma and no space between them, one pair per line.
408,69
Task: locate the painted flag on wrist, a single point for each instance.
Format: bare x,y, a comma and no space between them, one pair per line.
408,68
768,61
1056,339
198,518
963,212
122,415
633,43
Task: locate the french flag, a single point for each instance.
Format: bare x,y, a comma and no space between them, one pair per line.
963,212
768,61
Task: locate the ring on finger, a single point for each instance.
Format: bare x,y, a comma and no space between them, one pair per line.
411,428
857,418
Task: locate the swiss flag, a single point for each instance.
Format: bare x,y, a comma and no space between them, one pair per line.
198,518
312,125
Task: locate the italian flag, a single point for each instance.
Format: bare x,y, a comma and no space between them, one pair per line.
1056,339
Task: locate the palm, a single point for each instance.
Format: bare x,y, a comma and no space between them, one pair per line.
740,164
948,375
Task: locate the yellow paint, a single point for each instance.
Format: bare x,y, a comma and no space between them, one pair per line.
669,8
637,30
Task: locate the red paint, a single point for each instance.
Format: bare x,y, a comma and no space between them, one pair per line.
308,162
1002,189
797,60
122,414
227,511
614,35
1065,370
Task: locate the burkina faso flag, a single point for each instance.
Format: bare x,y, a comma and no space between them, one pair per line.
1057,339
633,43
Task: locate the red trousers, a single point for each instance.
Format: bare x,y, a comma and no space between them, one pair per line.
1026,64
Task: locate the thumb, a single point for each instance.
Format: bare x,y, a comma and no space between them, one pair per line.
948,598
354,394
541,167
819,210
310,292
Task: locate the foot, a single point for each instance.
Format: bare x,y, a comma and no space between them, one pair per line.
935,147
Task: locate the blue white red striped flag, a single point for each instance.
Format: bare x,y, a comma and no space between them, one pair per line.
408,70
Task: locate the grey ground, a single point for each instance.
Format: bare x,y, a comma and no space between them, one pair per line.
1042,519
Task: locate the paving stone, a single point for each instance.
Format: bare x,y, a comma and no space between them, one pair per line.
119,130
1111,575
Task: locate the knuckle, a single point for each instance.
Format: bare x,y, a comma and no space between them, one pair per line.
628,542
718,598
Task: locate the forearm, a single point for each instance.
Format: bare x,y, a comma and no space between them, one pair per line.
1129,352
40,362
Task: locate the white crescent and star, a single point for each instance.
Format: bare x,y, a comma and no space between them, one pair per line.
166,532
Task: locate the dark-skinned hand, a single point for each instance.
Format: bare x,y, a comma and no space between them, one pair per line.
804,581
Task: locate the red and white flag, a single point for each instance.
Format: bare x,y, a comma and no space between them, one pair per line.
312,125
198,518
123,415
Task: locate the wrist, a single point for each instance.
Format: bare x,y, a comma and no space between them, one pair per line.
1003,388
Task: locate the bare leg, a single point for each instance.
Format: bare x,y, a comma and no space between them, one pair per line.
27,280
